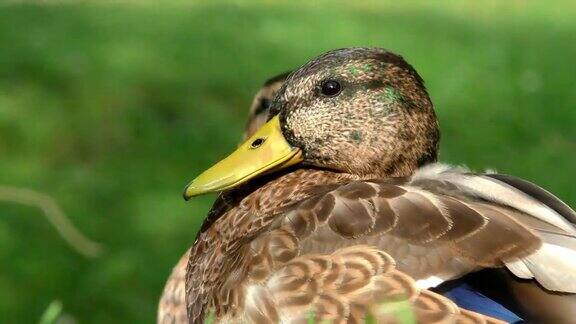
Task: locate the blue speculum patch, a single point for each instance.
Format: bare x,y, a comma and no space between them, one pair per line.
468,298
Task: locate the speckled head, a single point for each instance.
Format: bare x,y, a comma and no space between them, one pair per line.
363,111
359,110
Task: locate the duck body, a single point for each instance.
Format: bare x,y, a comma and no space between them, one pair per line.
336,209
263,265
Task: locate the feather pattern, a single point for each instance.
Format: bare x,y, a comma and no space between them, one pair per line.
552,264
326,242
538,193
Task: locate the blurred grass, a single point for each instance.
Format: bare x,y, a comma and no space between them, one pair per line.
110,108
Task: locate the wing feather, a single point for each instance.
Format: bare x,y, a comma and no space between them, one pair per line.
538,193
349,248
524,203
346,287
335,252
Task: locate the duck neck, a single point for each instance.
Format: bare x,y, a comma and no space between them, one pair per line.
281,190
271,193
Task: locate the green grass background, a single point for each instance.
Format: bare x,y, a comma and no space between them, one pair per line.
110,108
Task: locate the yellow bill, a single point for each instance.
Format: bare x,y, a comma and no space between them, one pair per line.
266,151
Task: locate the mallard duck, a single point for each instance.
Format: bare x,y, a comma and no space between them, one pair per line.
337,206
172,307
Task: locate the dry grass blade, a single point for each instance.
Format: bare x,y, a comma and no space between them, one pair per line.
55,216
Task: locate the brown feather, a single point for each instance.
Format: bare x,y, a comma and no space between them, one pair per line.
172,305
312,255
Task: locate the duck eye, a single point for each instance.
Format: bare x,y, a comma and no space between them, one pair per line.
331,88
257,142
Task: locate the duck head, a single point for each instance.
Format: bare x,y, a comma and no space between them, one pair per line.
363,111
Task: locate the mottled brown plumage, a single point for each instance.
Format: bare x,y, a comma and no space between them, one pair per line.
369,220
172,304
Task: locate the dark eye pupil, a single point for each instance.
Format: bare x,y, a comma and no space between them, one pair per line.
330,88
257,142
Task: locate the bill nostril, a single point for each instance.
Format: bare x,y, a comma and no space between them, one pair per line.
257,143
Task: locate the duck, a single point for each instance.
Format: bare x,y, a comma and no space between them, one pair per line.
172,306
337,209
